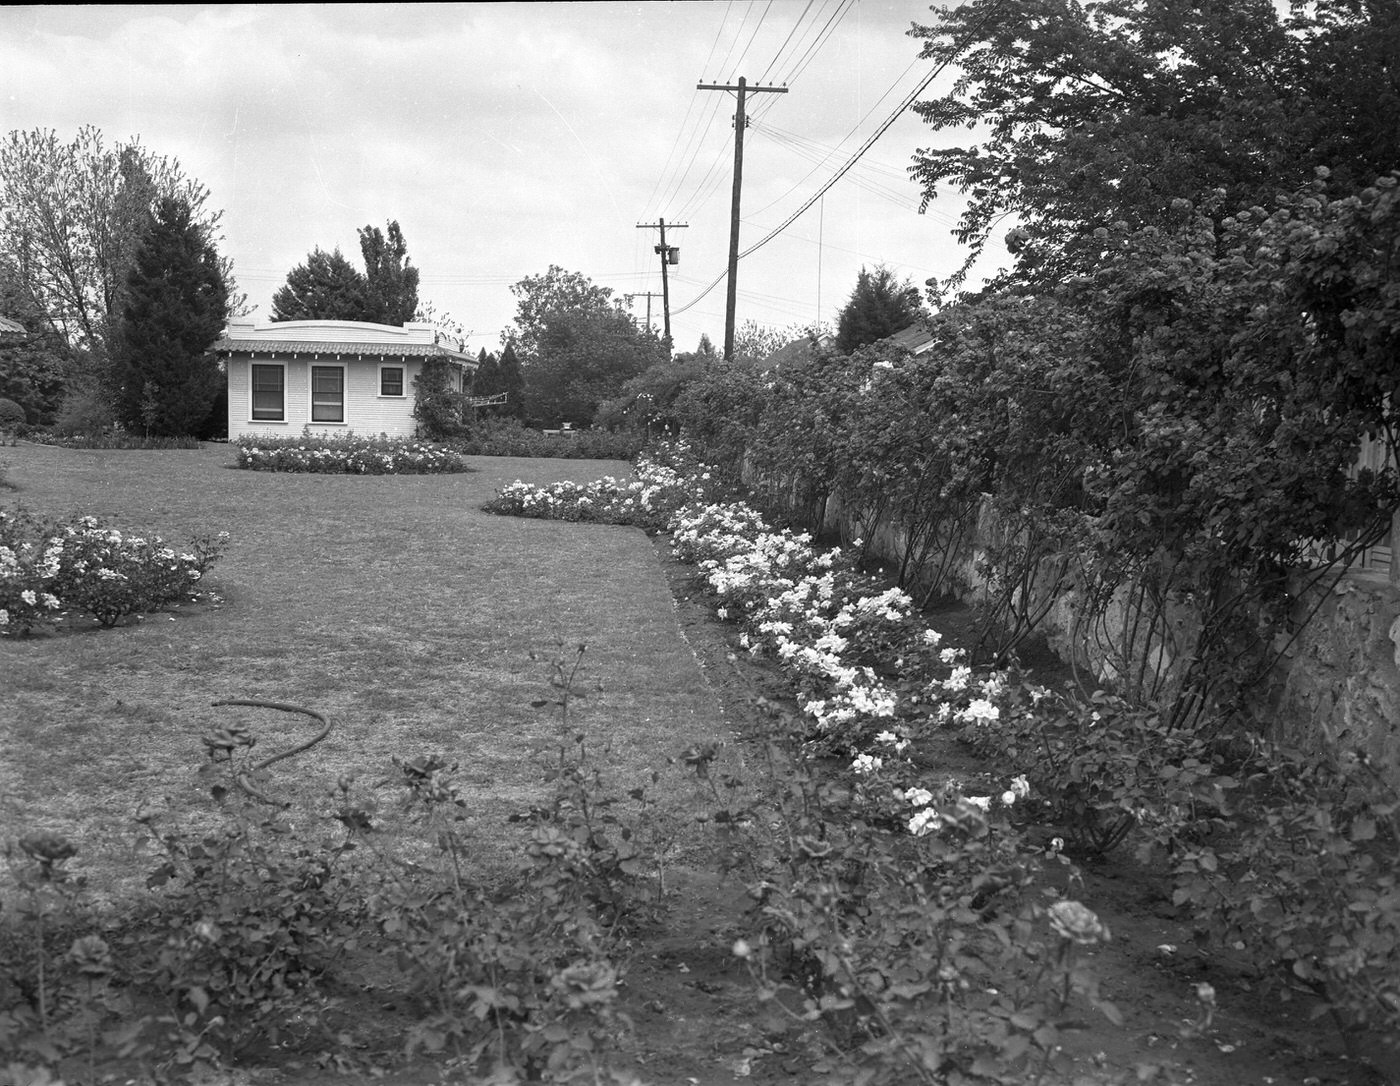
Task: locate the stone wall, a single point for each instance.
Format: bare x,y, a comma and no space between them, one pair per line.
1336,687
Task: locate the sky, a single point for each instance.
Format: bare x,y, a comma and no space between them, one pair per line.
506,138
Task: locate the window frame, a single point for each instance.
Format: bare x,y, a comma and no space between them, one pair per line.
253,409
312,392
402,393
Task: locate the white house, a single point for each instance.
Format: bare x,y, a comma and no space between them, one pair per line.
329,376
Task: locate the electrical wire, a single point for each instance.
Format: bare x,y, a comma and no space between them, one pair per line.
850,162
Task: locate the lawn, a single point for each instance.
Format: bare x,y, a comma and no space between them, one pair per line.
391,603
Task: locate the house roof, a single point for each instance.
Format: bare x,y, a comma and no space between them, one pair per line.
8,326
358,338
799,350
916,339
233,344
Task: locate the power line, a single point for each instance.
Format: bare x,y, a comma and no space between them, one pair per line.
870,141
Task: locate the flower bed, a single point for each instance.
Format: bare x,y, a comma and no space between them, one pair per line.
871,680
348,455
49,568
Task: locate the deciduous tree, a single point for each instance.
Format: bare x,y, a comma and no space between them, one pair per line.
71,219
391,282
1084,113
576,347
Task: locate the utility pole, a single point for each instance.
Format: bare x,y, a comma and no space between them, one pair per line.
670,254
648,295
740,123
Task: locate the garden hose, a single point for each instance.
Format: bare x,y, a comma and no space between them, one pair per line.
242,777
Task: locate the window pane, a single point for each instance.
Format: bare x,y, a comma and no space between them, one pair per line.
267,393
327,394
391,381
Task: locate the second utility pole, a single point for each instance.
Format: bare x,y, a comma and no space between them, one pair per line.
670,254
739,122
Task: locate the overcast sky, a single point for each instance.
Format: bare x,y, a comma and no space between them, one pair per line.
508,137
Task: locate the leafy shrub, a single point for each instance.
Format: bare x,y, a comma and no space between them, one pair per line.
348,455
112,439
667,477
438,403
1104,767
12,416
48,567
508,437
1306,883
86,409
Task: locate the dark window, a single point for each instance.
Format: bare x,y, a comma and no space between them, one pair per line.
327,394
391,381
268,393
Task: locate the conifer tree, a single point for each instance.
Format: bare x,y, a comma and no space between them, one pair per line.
326,288
879,307
177,302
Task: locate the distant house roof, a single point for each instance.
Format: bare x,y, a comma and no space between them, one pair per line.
799,350
916,339
11,328
358,338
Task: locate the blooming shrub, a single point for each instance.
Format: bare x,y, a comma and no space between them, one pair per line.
510,438
348,455
48,568
666,478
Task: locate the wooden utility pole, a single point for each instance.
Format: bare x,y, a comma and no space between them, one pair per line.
669,255
740,121
648,295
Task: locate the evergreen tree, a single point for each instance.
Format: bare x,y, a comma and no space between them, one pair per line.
177,302
391,283
326,288
879,307
511,381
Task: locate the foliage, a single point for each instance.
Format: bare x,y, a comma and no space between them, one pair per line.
1178,426
1288,858
48,568
177,303
85,411
754,342
576,348
666,477
719,411
540,296
509,437
1092,113
33,366
12,416
879,307
84,438
647,401
1307,883
73,218
327,287
391,283
439,404
248,918
348,454
496,374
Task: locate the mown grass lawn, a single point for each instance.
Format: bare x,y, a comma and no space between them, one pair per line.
391,603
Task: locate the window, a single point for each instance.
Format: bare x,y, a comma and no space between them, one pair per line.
391,380
268,389
327,393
